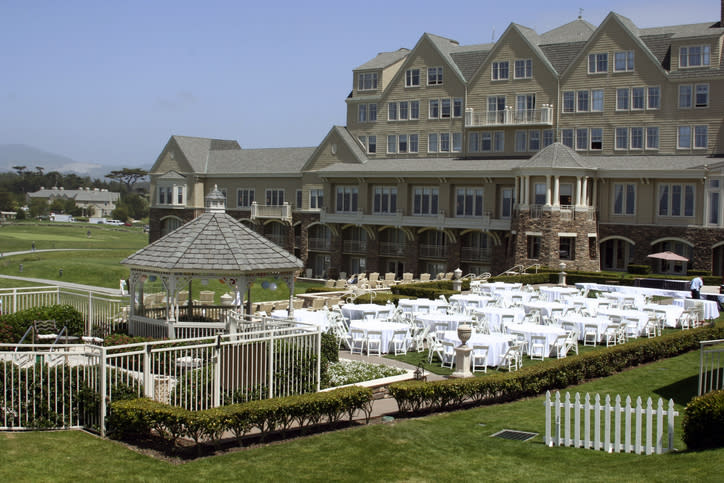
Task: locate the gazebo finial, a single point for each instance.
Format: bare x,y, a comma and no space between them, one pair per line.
215,201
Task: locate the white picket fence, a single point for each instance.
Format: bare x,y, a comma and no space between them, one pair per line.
611,428
711,370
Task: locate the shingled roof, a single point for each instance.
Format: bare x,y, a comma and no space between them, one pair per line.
214,243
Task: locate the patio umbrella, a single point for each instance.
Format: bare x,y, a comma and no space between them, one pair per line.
669,256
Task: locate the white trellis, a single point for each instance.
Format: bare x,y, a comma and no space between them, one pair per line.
611,428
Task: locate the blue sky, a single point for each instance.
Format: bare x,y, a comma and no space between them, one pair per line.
108,82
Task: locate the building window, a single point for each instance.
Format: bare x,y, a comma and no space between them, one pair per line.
506,205
701,140
598,63
367,81
565,194
244,197
499,141
581,139
316,199
695,56
533,141
523,69
597,100
372,144
637,98
434,110
432,143
624,61
384,200
486,142
652,138
469,202
457,142
179,195
567,137
701,98
496,109
392,111
444,142
683,138
362,113
684,97
596,139
654,98
499,70
539,197
367,112
676,200
582,101
637,138
533,246
714,201
434,76
404,110
458,107
621,138
414,110
402,143
274,196
445,108
547,137
412,78
299,199
622,99
391,144
521,143
624,199
413,143
347,197
567,248
425,200
474,142
569,101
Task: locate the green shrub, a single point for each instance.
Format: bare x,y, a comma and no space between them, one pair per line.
638,269
412,396
529,278
701,273
13,326
703,422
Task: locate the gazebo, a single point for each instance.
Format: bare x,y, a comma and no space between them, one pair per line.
213,245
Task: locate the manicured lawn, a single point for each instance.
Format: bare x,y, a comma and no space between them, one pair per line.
453,446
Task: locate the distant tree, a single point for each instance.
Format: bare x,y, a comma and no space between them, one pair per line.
38,207
20,169
7,201
20,214
136,205
128,176
120,213
39,170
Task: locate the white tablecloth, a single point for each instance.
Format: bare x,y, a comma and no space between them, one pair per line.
452,320
494,316
641,316
550,332
496,287
711,311
387,329
673,312
544,307
497,344
422,305
471,300
314,317
555,294
581,321
365,311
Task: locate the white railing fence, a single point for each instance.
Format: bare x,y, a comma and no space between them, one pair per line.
102,313
612,428
70,386
711,371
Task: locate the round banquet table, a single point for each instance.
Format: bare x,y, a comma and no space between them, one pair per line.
365,311
497,344
387,329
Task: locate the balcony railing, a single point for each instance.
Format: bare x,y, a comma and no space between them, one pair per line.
277,212
439,220
324,244
355,246
536,211
510,117
392,249
475,254
433,251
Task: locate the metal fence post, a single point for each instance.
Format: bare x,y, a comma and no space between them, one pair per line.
89,328
147,380
217,372
319,360
103,389
270,364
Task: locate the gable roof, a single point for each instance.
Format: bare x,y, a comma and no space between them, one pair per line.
384,59
556,155
445,47
341,133
214,243
578,30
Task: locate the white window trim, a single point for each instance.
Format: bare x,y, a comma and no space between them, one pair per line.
419,76
703,47
524,69
626,69
623,200
238,192
597,72
647,98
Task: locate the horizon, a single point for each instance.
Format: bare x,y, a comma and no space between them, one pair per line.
109,84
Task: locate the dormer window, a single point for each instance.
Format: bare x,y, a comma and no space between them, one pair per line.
695,56
367,81
171,194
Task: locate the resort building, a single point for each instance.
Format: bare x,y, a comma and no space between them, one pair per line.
587,145
93,201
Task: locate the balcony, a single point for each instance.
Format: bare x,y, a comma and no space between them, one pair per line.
475,254
510,117
323,244
392,249
355,246
440,220
433,251
275,212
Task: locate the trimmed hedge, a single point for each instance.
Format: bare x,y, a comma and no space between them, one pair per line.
414,396
703,422
638,269
140,418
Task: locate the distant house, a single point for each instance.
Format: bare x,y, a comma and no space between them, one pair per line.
102,200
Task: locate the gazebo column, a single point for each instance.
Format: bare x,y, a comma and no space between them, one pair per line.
289,279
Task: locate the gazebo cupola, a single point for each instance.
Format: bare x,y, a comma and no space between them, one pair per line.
215,201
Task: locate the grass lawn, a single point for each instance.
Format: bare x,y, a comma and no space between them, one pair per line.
454,446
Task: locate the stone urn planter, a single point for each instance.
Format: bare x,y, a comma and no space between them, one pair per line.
464,333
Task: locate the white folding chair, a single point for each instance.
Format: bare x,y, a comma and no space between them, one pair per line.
399,342
374,342
560,346
510,360
357,341
590,335
480,357
448,354
537,349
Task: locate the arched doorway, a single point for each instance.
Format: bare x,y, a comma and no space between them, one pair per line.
616,253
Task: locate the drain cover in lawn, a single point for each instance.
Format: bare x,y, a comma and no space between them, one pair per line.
515,435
